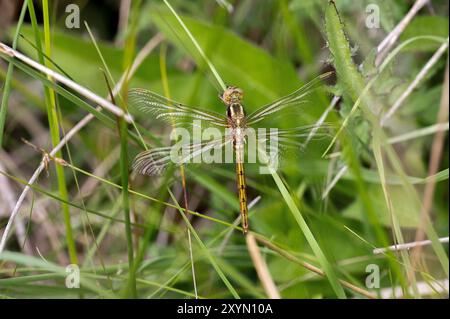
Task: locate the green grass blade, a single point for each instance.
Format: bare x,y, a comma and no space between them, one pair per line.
198,47
50,101
41,264
130,45
8,78
205,250
329,271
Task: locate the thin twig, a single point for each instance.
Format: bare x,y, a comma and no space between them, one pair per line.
146,50
334,181
236,222
377,251
424,288
310,267
100,170
69,83
8,197
38,213
226,5
419,133
386,45
261,268
435,159
423,72
124,12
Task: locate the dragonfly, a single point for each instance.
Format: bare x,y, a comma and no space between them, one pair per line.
155,161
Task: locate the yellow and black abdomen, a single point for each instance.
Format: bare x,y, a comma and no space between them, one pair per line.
242,195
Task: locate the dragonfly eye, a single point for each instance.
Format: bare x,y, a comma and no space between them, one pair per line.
232,95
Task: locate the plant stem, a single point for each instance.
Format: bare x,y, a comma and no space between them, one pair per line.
50,101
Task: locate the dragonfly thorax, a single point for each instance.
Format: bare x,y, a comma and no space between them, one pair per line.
236,115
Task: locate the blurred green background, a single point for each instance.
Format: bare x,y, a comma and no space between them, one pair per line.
268,48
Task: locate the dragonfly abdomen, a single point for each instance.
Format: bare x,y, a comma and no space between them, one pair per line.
242,191
238,141
236,119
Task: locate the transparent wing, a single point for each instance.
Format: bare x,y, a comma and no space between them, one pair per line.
293,99
279,142
155,161
294,140
171,111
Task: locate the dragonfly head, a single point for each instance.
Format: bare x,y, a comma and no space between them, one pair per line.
232,95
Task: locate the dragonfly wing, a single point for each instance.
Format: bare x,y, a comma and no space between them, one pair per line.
294,139
171,111
155,161
293,99
152,162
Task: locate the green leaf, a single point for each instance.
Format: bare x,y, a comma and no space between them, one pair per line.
406,211
339,46
425,25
